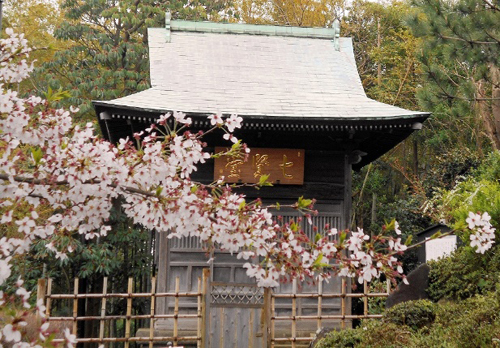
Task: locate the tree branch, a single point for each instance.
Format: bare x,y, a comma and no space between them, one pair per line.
21,179
468,41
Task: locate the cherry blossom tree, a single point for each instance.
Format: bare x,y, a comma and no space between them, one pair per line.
47,161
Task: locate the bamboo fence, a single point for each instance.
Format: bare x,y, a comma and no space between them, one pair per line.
45,292
269,312
295,319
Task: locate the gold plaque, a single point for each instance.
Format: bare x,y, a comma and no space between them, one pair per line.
284,166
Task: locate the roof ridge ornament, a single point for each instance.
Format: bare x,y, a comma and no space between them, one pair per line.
336,38
168,18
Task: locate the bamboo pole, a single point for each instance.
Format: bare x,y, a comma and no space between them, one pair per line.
294,313
103,307
129,313
49,298
139,294
326,317
204,311
266,320
199,312
342,305
132,317
273,308
40,294
320,303
188,339
75,306
176,310
365,298
326,296
152,312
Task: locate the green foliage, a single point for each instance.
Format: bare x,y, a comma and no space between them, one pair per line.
490,168
301,13
37,20
415,314
459,56
341,339
449,168
385,50
371,333
464,274
376,305
107,55
472,323
125,252
479,191
393,200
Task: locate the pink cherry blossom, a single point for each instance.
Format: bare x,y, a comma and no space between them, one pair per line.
216,119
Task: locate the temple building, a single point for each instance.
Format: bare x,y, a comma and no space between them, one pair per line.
305,116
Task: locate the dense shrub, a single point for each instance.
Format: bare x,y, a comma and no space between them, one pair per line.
467,273
341,339
464,274
414,314
371,333
471,323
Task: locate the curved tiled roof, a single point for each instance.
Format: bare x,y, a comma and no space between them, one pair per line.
230,68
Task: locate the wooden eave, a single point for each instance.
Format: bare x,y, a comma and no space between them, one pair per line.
370,137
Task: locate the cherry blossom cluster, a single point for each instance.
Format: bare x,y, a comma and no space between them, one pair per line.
345,253
47,160
483,233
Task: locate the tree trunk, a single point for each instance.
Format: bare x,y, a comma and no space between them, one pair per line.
490,111
495,106
415,158
374,210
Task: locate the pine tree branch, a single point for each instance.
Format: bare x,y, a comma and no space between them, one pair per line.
472,42
491,5
490,35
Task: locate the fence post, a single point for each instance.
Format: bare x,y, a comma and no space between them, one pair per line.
204,310
75,306
40,294
176,311
320,303
342,304
199,299
294,312
129,312
266,318
103,309
48,306
365,299
152,312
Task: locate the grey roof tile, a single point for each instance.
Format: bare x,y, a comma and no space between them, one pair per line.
255,75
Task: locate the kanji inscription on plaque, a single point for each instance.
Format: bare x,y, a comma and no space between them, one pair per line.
284,166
